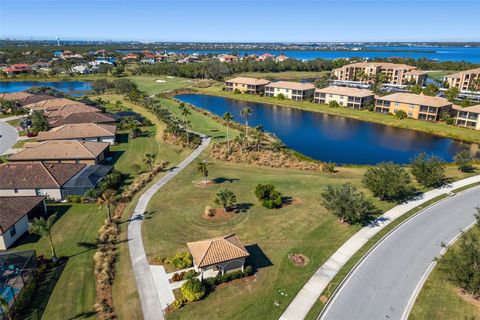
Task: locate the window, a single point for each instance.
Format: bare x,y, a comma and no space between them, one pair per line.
396,104
38,192
13,231
77,161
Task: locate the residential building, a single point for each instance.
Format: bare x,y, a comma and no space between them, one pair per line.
82,117
227,58
24,98
36,178
222,254
281,58
266,56
291,90
14,217
49,105
468,80
468,117
246,85
63,151
18,69
416,106
394,73
344,96
81,132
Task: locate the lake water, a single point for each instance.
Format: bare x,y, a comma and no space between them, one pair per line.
439,53
73,88
333,138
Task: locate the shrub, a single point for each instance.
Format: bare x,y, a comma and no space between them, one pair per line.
280,96
178,276
209,211
464,161
75,199
329,167
400,114
193,290
429,171
178,303
225,198
181,260
333,104
236,91
248,271
190,274
388,181
268,196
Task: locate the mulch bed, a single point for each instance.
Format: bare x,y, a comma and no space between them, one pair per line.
202,184
298,259
220,214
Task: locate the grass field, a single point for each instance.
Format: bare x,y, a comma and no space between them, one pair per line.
290,75
439,74
148,84
440,129
441,300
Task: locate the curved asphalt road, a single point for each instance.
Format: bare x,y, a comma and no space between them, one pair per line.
8,136
385,283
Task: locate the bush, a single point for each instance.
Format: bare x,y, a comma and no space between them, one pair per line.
400,114
429,171
388,181
75,199
248,271
181,260
236,91
178,303
268,196
333,104
225,198
464,161
190,274
193,290
178,276
329,167
281,96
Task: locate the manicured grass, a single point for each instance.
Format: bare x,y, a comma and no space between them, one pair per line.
73,234
440,129
290,75
148,84
439,74
440,299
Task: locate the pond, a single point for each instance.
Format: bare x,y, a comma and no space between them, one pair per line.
73,88
333,138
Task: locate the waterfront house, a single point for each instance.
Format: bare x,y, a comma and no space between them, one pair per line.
218,255
82,117
344,96
18,69
81,132
416,106
468,80
14,217
266,56
468,117
366,72
291,90
227,58
281,58
24,98
246,85
37,178
63,151
49,105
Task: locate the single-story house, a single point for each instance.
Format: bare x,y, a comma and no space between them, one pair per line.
82,117
14,217
81,132
222,254
37,178
24,98
63,151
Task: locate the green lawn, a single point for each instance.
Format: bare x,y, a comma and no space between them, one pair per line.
439,74
441,300
148,84
290,75
440,128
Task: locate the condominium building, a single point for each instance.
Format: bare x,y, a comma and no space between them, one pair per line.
246,85
414,105
468,117
394,73
344,96
464,80
290,90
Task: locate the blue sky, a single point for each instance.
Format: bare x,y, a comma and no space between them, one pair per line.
236,21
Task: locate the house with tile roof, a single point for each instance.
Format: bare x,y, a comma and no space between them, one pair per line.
246,85
81,132
24,98
220,255
63,151
14,217
347,97
297,91
468,117
37,178
82,117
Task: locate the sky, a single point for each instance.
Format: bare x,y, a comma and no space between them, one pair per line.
242,21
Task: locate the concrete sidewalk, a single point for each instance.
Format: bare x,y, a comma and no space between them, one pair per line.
149,295
164,289
311,291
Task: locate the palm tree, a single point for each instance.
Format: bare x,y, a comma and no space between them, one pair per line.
202,167
43,228
258,136
107,199
185,113
242,139
148,159
228,117
245,113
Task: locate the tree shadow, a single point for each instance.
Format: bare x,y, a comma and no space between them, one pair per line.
121,137
221,180
87,246
243,207
287,200
83,315
257,259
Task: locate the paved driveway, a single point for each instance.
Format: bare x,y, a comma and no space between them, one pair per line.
8,137
383,286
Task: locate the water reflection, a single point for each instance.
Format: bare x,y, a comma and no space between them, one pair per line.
333,138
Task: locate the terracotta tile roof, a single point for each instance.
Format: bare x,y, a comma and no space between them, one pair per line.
382,65
82,117
32,175
15,208
249,81
25,98
473,109
344,91
461,73
78,131
415,72
64,111
60,150
217,250
416,99
52,104
292,85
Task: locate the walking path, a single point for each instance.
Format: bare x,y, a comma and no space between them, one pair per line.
311,291
150,297
8,134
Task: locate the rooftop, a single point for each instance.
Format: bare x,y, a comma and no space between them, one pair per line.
417,99
20,175
82,117
345,91
473,109
25,98
59,150
15,208
249,81
78,131
461,73
383,65
52,104
292,85
217,250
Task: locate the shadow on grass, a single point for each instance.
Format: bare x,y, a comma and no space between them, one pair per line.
243,207
114,155
121,137
257,259
221,180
